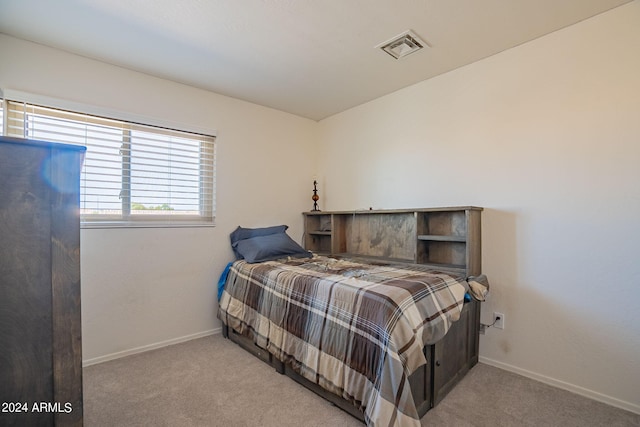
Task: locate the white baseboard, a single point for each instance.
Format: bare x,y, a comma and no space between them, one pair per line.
153,346
628,406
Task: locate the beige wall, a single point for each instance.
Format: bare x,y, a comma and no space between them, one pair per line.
145,287
546,137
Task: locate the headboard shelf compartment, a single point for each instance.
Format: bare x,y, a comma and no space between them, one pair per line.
447,238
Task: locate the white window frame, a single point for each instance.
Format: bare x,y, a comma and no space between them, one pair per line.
131,221
3,128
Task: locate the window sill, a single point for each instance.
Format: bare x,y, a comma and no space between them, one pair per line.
143,224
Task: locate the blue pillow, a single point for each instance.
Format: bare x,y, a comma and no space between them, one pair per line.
269,247
241,233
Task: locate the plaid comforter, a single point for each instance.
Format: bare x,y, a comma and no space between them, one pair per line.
355,329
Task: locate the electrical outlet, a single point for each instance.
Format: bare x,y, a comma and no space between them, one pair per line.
498,320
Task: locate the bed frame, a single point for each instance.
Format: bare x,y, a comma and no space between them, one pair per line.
447,239
447,362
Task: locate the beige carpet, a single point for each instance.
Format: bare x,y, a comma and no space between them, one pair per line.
212,382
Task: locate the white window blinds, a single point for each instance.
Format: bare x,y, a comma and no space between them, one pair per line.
132,173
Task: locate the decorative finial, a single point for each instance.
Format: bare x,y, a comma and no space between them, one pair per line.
315,197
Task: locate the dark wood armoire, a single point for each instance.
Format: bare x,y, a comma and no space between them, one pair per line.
40,330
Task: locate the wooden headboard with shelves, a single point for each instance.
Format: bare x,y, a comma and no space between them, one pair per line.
444,238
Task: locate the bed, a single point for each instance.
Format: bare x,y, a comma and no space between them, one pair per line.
383,340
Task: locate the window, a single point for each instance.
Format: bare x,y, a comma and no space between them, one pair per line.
133,174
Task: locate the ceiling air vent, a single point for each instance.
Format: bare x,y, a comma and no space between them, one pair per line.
402,45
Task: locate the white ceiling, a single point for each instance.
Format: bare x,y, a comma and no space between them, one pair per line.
313,58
